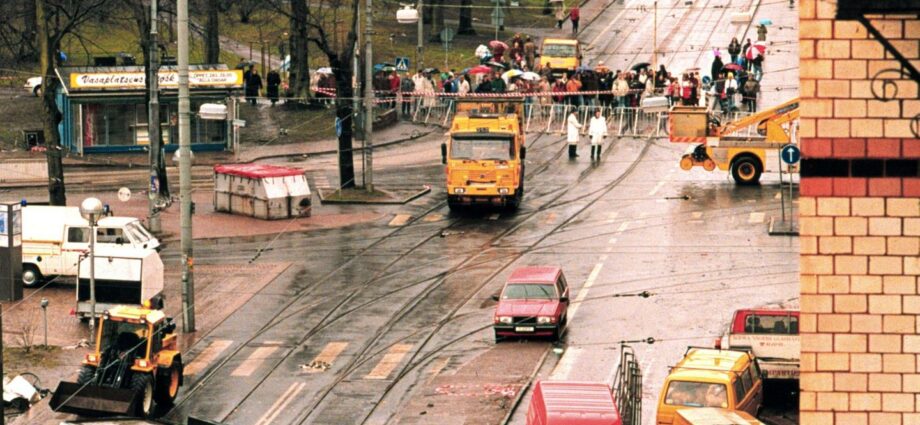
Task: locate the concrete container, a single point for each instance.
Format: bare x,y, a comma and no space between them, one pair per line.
262,191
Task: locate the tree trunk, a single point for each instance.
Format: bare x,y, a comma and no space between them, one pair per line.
438,22
212,33
344,106
29,35
466,18
48,50
300,65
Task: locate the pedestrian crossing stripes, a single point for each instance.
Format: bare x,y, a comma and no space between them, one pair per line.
255,359
390,360
207,356
756,218
289,395
327,357
400,220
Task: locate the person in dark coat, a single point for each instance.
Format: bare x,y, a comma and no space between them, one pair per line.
253,86
734,49
716,67
274,83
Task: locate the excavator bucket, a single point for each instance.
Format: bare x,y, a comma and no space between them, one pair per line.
93,400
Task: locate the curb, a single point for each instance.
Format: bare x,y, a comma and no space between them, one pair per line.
524,388
424,191
415,135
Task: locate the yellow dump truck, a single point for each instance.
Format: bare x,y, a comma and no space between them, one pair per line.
726,146
561,55
484,154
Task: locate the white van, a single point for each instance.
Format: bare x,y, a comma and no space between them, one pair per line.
123,276
54,239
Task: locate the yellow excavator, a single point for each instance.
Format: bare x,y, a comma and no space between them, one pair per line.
741,146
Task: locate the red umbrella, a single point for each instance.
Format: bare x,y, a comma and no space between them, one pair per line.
754,51
732,67
481,69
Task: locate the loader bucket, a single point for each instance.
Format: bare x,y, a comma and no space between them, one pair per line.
93,400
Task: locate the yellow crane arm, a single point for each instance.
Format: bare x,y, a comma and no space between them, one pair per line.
768,121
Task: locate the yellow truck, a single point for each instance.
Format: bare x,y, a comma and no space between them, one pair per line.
484,154
746,154
561,55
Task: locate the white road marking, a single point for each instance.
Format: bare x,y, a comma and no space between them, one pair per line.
612,241
494,216
697,215
389,361
607,28
612,217
207,356
583,292
272,413
564,368
623,227
330,352
656,188
400,220
255,359
603,258
756,218
432,217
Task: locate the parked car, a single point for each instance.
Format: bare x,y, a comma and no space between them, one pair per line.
34,86
572,403
533,302
772,335
726,379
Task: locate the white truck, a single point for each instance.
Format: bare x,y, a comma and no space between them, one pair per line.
771,335
123,276
54,239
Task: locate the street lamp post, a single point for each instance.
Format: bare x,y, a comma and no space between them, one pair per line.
368,99
91,209
421,29
185,174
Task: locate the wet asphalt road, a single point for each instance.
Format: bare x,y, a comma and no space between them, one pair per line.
369,316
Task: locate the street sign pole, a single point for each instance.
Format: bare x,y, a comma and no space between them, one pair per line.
153,122
790,155
368,100
185,175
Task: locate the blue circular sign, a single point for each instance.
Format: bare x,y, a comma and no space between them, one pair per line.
790,154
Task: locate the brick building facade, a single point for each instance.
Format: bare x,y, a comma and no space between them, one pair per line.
860,219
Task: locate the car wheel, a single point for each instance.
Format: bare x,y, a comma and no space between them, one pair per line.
31,277
37,91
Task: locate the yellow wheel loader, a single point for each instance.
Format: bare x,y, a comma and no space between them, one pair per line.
136,363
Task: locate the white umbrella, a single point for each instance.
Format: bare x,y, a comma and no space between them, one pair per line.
482,51
324,70
530,76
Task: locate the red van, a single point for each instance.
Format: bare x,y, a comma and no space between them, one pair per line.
572,403
533,302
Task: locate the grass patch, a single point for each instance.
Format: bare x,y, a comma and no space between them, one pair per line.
265,124
17,114
17,360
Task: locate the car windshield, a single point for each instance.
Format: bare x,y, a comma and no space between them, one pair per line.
696,394
137,233
559,50
123,335
482,149
529,291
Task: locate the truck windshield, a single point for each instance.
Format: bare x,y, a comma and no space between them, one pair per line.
137,233
482,149
123,336
529,292
696,394
559,50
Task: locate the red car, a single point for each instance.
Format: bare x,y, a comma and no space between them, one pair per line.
534,302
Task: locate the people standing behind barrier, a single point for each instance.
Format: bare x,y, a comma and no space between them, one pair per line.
649,85
530,53
573,130
673,91
661,78
574,16
621,90
485,86
749,91
597,131
573,86
685,90
464,87
406,87
744,50
636,87
427,89
589,84
253,86
717,66
734,49
718,92
498,84
547,72
558,99
274,84
694,89
605,86
394,88
731,87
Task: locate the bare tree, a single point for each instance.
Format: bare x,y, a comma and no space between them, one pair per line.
212,32
17,31
336,36
466,18
55,19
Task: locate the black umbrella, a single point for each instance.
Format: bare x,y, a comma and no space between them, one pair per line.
431,70
640,65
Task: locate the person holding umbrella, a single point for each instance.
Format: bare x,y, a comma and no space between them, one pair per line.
573,127
597,130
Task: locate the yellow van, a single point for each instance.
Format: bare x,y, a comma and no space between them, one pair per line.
561,55
726,379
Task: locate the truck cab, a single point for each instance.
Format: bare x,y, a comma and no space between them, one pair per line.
561,54
55,238
484,154
772,335
533,302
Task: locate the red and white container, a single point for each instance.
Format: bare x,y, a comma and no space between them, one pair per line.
263,191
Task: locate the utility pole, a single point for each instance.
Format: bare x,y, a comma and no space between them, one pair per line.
655,39
185,176
369,98
153,122
421,29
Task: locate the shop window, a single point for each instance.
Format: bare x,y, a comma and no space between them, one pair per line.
109,124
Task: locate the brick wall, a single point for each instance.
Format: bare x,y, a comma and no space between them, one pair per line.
860,222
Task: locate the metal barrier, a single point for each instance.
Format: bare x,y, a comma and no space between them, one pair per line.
627,388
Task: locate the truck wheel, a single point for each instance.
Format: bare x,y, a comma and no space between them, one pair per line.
454,204
746,170
31,277
87,374
168,382
142,383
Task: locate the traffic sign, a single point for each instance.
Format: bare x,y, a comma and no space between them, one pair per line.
402,64
790,154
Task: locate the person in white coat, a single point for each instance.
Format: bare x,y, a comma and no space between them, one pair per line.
573,127
597,131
